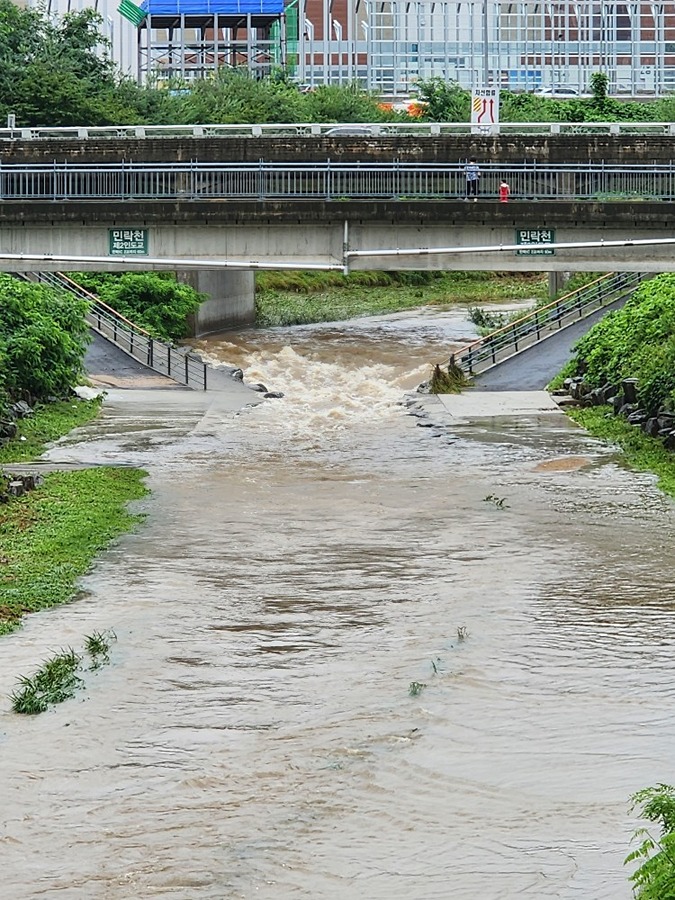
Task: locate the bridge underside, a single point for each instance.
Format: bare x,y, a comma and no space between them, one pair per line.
249,234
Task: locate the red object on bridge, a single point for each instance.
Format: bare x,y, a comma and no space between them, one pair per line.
504,191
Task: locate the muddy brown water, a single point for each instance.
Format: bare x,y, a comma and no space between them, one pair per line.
302,564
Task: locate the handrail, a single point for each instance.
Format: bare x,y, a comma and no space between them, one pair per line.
320,129
160,356
536,311
330,180
542,322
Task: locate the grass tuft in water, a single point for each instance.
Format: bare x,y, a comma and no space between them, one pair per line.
462,632
55,681
499,502
451,380
97,645
416,688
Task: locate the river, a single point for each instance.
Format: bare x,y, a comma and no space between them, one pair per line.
340,670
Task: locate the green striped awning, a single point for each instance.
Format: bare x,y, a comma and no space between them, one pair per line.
131,12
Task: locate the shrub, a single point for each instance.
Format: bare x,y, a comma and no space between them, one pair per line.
43,335
154,301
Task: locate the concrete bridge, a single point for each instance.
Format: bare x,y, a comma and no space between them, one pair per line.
218,241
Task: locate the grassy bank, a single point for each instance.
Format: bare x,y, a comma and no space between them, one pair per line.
642,452
49,536
294,298
47,424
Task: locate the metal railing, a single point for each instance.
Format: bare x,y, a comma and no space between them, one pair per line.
328,180
544,321
375,129
181,366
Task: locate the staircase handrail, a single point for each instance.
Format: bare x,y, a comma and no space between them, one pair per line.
543,321
184,367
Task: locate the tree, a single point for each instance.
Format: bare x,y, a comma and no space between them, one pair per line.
655,877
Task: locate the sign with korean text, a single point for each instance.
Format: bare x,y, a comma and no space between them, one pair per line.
127,242
535,241
485,110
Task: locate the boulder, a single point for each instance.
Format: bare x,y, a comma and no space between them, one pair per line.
260,388
617,403
7,429
669,442
22,410
652,427
273,395
237,374
638,417
627,409
629,387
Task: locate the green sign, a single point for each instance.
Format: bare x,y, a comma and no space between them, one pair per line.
535,241
127,242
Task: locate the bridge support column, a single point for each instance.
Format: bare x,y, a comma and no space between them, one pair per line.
230,303
557,282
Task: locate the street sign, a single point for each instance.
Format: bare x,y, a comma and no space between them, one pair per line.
535,241
128,242
485,110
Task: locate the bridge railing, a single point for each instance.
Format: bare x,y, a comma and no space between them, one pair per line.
328,180
374,129
544,321
184,367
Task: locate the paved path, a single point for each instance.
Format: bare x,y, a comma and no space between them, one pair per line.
488,404
532,369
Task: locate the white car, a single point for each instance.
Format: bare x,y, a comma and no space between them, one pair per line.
560,91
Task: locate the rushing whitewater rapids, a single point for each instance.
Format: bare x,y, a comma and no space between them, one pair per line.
302,564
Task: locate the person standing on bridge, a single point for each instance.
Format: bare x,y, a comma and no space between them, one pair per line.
472,172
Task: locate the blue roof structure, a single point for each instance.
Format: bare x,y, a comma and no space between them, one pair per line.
213,7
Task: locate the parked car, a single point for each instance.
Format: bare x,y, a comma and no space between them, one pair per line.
353,130
560,91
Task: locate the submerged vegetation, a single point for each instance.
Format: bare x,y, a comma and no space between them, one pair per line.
48,422
57,679
294,298
641,452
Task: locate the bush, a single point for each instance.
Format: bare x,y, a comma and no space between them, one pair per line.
637,341
156,302
43,335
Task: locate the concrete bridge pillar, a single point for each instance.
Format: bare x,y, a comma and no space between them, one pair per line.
557,282
230,303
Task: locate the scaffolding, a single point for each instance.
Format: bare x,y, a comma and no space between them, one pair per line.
190,39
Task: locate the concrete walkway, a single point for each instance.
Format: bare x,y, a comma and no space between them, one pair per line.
490,404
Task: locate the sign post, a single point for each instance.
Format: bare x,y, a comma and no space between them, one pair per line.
535,241
485,110
128,242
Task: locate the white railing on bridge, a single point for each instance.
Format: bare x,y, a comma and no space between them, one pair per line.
329,180
341,131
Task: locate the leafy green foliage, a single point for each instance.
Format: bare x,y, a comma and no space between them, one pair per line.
49,536
42,339
654,879
156,302
637,341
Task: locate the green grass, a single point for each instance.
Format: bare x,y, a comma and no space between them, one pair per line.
49,536
57,678
294,298
641,452
47,424
55,681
